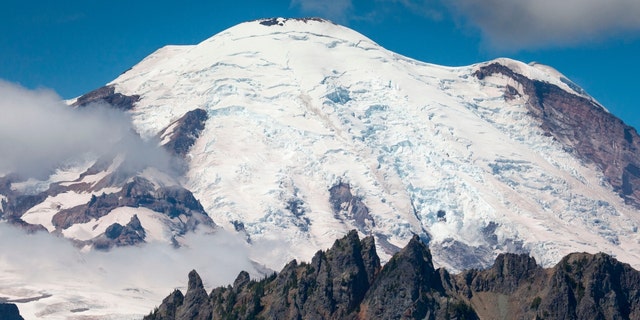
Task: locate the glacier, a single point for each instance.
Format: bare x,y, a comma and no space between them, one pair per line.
296,107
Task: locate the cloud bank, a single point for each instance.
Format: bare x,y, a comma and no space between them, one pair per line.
506,24
38,132
510,24
336,10
128,280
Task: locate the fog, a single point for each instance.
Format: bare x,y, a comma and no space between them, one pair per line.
106,281
38,132
42,257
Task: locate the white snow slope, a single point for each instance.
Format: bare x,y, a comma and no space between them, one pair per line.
299,106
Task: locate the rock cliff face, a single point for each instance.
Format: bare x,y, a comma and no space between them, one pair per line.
140,192
345,204
172,201
584,127
116,234
107,95
348,282
9,311
183,133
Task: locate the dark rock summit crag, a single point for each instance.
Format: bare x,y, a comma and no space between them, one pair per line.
344,282
595,135
348,282
282,21
109,96
581,286
407,287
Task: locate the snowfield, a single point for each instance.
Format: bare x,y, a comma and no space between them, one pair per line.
296,107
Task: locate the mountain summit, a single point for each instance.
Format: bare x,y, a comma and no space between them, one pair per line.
293,131
313,129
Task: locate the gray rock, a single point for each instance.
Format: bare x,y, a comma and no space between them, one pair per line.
196,301
594,134
107,95
347,282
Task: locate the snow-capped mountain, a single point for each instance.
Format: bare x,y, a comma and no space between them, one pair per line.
291,132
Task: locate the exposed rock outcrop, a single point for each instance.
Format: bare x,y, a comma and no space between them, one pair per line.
136,190
118,235
9,311
591,132
407,287
581,286
140,192
347,282
281,21
345,204
183,133
344,282
196,302
14,204
107,95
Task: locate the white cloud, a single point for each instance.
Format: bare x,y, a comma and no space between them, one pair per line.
121,281
505,24
509,24
38,132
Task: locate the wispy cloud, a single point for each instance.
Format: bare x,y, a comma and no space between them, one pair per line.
337,10
504,24
39,132
101,280
514,25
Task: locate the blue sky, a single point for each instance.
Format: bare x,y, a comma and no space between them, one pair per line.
75,46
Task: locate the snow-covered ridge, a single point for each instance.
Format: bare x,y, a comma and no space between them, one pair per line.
544,73
298,106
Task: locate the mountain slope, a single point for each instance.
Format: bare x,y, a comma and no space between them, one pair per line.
287,133
293,131
457,155
347,282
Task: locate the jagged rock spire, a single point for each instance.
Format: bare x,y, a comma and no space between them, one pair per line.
346,282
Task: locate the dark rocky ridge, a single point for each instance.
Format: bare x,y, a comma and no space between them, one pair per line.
107,95
16,203
348,282
118,235
281,21
140,192
593,134
9,311
173,201
186,131
135,191
345,204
